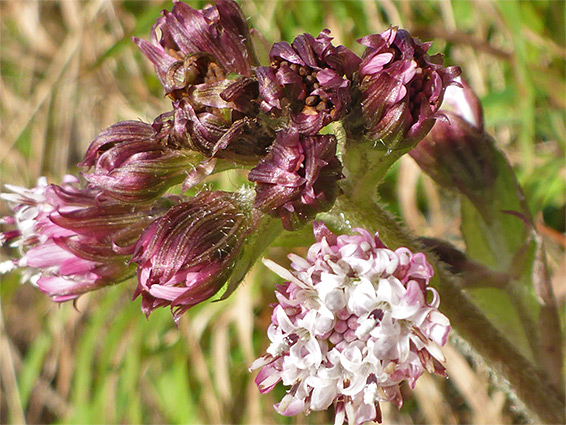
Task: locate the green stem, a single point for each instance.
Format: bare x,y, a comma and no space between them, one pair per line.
525,380
370,164
266,230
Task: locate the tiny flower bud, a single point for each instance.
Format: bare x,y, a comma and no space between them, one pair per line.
204,60
298,178
460,100
314,347
400,88
190,46
458,153
186,255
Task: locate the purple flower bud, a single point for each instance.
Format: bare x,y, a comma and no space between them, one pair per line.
400,89
458,153
298,178
186,255
460,100
72,240
307,83
133,162
190,46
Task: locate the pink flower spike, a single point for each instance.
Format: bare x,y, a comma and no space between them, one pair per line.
359,326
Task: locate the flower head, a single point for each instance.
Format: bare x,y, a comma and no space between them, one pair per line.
204,60
352,322
298,178
400,88
72,240
190,46
186,255
307,82
135,162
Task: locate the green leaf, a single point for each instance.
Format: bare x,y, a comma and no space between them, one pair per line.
497,228
32,366
263,236
301,237
172,387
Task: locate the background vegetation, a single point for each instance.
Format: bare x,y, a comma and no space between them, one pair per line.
69,69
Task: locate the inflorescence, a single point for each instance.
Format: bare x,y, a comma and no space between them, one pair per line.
354,318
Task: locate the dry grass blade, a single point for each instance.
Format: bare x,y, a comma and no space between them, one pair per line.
200,369
433,403
43,91
8,374
220,354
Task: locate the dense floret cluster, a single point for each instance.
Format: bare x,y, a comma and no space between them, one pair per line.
352,322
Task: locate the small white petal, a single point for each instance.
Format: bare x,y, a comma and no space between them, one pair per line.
298,262
282,272
435,351
7,266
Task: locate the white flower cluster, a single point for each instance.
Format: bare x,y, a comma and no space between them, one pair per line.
351,324
31,208
43,261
